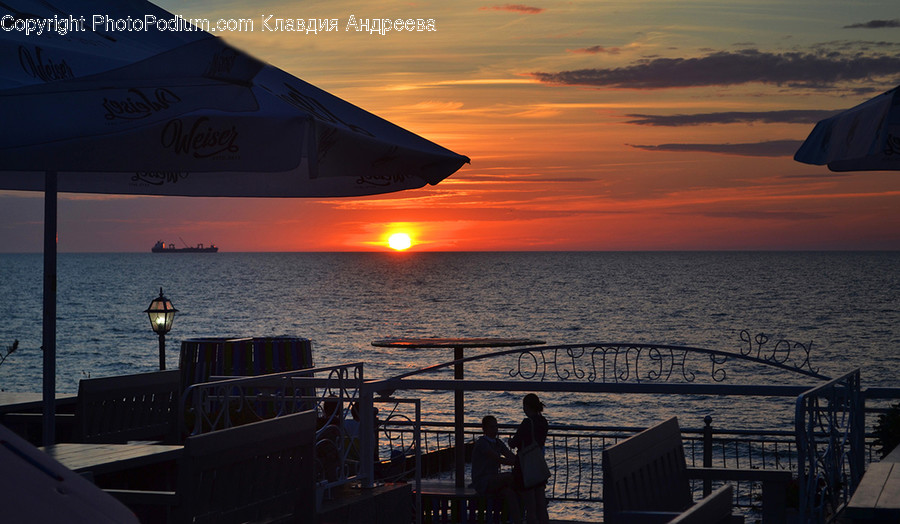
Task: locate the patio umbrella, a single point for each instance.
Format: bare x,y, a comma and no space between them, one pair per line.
151,112
863,138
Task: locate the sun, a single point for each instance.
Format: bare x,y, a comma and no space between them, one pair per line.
399,241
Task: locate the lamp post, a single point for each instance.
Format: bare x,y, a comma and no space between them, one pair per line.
162,314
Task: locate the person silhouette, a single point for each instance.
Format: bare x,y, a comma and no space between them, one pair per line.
488,455
533,428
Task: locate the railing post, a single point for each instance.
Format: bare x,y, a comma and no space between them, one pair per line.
366,436
707,452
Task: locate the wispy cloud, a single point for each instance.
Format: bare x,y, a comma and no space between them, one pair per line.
515,8
790,116
468,82
817,176
771,148
433,106
875,24
597,49
757,214
733,68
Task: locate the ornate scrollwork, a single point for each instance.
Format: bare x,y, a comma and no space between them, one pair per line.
617,363
782,352
219,405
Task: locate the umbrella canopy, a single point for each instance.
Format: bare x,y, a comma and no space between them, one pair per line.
42,490
107,108
194,118
864,138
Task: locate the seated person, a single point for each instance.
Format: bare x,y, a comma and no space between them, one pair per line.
487,457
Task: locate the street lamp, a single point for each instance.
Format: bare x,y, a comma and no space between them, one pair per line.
162,314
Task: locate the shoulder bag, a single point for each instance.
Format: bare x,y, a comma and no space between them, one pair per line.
532,463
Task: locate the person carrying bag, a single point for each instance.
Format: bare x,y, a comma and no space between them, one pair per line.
533,466
531,471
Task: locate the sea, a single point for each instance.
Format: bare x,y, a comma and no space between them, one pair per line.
843,306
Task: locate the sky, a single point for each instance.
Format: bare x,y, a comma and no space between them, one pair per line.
590,125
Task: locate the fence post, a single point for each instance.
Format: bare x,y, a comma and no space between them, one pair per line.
367,434
707,452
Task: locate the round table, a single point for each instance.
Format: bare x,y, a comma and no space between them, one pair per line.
458,345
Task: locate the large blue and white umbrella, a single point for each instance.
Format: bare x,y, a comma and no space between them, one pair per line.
94,109
863,138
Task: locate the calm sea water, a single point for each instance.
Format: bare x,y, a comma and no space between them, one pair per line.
846,304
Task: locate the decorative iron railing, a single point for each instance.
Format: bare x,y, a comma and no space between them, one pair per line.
824,457
331,391
574,453
830,428
678,370
615,362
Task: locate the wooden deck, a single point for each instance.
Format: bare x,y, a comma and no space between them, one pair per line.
101,459
877,498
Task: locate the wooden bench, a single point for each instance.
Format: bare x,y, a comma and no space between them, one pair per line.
258,472
443,502
118,409
115,410
202,358
646,479
22,413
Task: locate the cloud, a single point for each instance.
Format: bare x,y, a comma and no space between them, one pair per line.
792,116
817,176
766,215
733,68
434,106
772,148
875,24
515,8
593,50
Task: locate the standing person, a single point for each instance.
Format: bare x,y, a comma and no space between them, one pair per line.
487,457
533,427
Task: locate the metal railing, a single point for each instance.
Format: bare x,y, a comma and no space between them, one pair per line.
628,369
830,426
831,412
331,391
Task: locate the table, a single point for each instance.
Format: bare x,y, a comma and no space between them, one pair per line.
458,345
877,498
100,459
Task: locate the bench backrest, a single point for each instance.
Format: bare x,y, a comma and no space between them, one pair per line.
131,407
646,472
203,358
249,473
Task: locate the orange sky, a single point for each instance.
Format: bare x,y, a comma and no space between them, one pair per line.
561,106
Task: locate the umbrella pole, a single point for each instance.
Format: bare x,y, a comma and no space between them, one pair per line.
49,325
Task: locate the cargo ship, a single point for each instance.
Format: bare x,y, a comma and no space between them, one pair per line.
162,247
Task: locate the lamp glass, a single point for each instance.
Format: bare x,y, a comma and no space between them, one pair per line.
162,314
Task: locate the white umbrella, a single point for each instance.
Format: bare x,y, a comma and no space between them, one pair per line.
863,138
38,489
177,113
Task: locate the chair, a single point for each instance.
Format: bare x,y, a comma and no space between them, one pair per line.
645,480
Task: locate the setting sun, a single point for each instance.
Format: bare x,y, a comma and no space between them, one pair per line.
399,241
